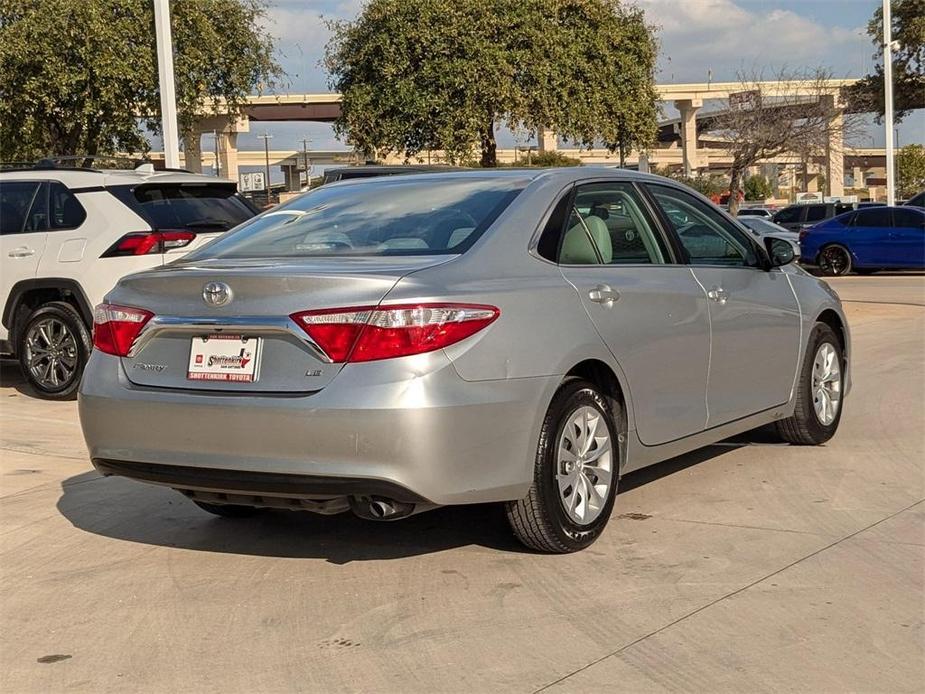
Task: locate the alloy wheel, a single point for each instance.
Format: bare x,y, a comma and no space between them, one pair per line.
826,384
834,261
584,465
51,353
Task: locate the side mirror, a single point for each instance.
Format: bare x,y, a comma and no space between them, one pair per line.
779,251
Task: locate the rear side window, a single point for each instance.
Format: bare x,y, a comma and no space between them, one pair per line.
393,215
908,219
842,207
65,212
873,217
205,206
814,213
16,199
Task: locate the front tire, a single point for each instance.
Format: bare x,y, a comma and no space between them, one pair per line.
819,391
575,474
53,348
834,261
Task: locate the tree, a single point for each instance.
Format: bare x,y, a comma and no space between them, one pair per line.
758,188
444,74
910,171
908,61
783,118
81,77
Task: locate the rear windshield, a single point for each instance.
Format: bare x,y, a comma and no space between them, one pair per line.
206,206
389,216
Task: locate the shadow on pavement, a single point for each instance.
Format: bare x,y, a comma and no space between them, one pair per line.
137,512
11,377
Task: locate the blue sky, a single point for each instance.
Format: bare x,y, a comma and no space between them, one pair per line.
700,40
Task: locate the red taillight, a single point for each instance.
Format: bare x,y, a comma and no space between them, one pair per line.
116,327
368,334
145,242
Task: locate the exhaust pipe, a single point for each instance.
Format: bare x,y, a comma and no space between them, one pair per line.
380,508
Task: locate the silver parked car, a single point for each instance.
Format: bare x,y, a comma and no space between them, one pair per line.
395,344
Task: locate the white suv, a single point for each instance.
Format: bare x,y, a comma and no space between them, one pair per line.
68,235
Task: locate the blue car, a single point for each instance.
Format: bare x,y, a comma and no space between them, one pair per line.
866,240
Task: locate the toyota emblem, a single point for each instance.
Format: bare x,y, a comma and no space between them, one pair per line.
216,294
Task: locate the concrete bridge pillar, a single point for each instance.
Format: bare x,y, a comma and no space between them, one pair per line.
226,130
547,140
688,109
835,151
292,177
192,151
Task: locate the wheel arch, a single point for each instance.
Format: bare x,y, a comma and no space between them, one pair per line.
27,295
603,376
831,318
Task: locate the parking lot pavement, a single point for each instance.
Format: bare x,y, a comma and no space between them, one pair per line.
749,566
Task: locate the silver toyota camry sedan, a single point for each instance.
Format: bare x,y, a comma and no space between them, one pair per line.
525,337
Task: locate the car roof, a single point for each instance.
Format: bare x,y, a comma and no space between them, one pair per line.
564,174
87,178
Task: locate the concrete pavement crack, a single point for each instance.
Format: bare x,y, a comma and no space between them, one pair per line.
724,597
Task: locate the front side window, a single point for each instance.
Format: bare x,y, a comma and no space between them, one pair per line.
873,217
608,225
16,200
707,237
396,215
788,215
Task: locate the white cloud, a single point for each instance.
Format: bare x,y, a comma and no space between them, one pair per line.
720,35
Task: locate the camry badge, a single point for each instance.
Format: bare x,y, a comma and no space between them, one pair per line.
216,294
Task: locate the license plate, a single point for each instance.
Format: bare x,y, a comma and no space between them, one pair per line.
224,358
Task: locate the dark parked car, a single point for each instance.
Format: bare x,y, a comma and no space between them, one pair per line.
875,238
800,216
916,200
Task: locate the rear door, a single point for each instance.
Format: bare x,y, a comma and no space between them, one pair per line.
23,219
754,315
649,310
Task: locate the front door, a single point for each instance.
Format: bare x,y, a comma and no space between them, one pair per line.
754,315
23,218
650,311
907,238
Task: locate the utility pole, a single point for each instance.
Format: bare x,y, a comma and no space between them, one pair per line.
888,102
308,176
165,75
266,137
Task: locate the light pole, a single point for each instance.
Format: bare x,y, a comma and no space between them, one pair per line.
165,81
888,101
266,137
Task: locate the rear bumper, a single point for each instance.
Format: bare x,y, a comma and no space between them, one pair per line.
410,429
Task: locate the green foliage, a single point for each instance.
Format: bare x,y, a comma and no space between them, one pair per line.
910,171
708,185
548,160
758,188
80,76
444,74
908,61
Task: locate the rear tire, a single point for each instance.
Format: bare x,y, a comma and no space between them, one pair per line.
807,426
53,347
575,474
834,261
228,510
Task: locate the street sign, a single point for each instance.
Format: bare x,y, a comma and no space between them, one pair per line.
253,181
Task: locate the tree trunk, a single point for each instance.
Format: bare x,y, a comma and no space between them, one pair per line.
489,146
735,178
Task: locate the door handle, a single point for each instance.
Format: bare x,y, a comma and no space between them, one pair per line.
717,294
21,252
602,294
